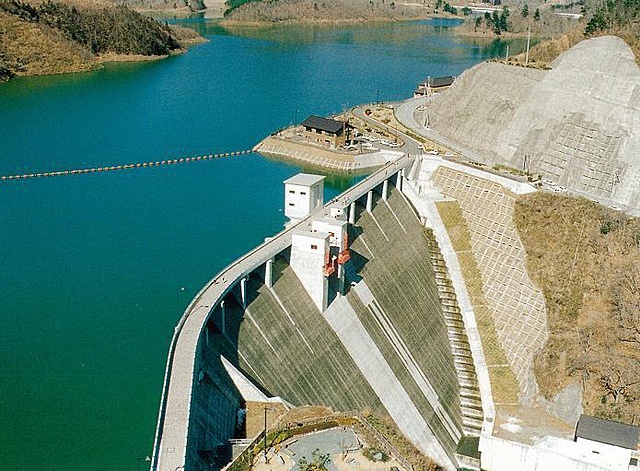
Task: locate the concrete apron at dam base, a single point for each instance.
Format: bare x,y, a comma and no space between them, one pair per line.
341,445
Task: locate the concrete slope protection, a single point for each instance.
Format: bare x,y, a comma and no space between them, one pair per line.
577,125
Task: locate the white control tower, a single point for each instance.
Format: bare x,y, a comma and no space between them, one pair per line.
303,193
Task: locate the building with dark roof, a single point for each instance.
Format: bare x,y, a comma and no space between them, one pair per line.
608,432
433,84
324,131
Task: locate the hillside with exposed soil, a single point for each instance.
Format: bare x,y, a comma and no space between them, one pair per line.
586,259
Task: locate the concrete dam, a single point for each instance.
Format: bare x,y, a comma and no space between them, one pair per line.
407,295
349,307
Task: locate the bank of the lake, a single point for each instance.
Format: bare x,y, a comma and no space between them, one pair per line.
98,268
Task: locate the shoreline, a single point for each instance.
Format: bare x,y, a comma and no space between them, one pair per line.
324,22
98,62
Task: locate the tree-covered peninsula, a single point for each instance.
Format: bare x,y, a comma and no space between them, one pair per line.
53,37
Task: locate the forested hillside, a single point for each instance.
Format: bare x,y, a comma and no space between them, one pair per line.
255,11
55,37
613,17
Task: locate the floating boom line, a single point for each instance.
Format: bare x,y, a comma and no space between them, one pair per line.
113,168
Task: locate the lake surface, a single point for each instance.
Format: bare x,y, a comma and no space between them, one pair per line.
96,269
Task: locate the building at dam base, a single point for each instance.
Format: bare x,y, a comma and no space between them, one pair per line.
365,302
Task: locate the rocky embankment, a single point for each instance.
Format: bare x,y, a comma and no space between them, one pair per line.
324,11
56,38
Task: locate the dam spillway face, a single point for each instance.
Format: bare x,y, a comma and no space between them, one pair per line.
575,125
393,341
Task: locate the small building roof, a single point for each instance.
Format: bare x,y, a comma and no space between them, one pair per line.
436,82
304,179
324,124
311,234
608,431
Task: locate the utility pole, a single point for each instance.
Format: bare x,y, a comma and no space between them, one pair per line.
265,434
526,61
506,57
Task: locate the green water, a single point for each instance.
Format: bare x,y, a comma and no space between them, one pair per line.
96,269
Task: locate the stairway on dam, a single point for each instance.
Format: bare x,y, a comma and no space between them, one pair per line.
517,306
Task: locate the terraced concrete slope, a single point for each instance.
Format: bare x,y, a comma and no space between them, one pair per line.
577,124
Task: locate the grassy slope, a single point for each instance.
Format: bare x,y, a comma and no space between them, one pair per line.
586,259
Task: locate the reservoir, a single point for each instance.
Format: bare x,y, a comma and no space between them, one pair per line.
97,268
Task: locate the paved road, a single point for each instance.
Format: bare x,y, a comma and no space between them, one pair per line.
410,145
405,114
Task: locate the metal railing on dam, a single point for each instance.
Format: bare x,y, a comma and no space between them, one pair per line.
170,444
